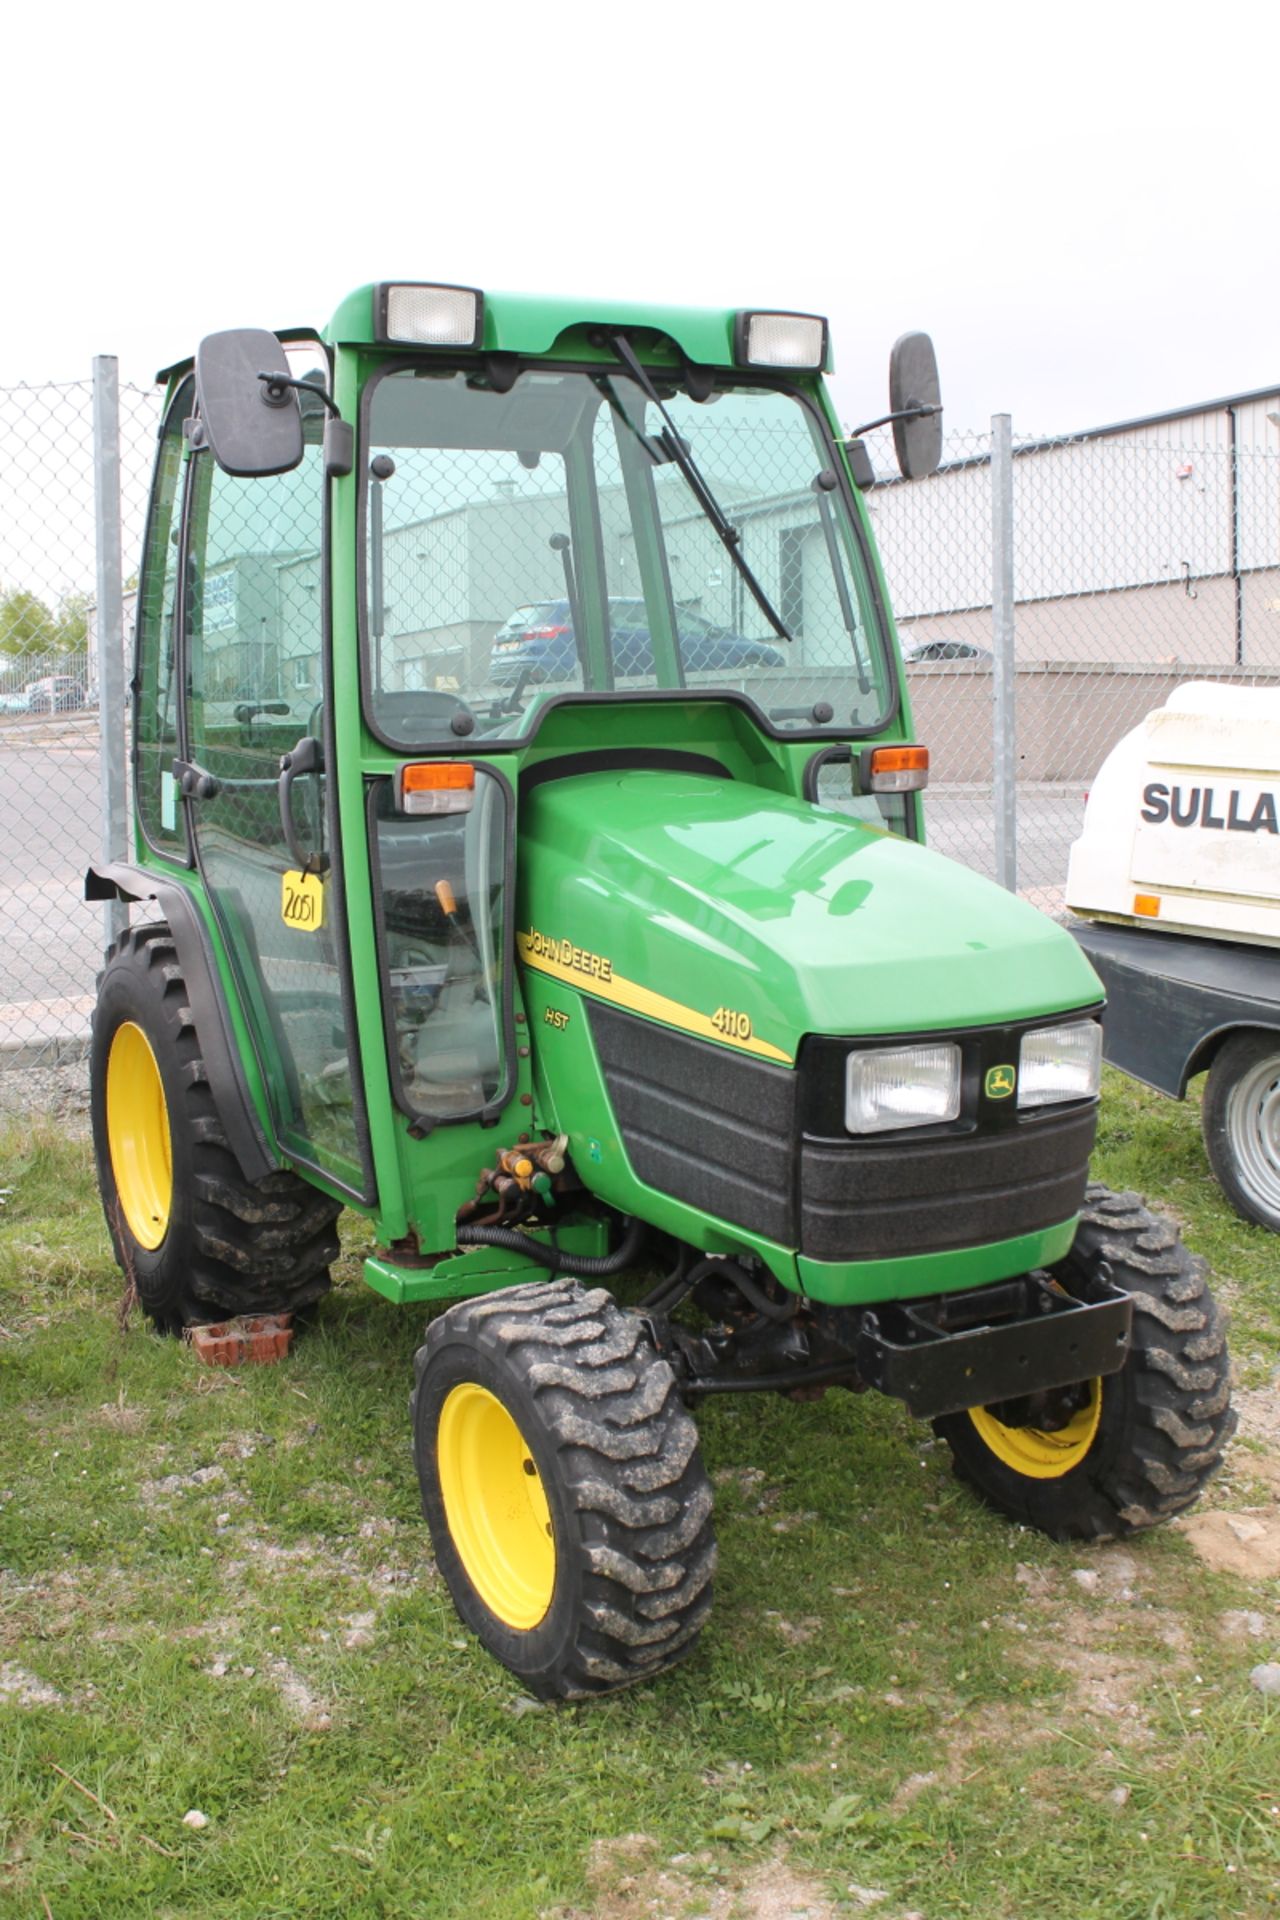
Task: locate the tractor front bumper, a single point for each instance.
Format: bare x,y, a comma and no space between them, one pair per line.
994,1346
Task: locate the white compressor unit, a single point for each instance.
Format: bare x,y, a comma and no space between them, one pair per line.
1176,879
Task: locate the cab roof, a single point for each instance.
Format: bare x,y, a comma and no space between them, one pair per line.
533,323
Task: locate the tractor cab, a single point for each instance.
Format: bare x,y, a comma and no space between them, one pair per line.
398,573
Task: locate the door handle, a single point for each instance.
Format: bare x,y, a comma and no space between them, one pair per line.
195,781
306,757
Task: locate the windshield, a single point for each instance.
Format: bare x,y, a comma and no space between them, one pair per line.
550,539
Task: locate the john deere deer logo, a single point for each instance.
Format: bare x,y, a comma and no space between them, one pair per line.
1000,1082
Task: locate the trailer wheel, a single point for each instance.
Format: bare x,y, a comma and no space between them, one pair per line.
1241,1121
200,1241
1123,1452
562,1482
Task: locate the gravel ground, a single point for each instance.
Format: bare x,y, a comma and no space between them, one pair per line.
58,1093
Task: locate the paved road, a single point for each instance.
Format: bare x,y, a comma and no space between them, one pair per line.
51,940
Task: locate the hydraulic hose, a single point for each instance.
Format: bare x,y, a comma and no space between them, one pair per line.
589,1267
668,1294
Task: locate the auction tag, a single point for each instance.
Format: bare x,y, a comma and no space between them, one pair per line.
302,901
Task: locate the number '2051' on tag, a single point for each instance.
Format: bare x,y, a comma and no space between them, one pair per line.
302,901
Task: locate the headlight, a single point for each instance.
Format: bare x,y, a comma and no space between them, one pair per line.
902,1087
1060,1063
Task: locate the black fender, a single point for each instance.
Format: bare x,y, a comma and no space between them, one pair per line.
1172,998
246,1136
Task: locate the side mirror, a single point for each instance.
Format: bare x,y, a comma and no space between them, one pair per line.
915,404
251,428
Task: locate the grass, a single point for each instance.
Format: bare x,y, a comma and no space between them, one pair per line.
216,1593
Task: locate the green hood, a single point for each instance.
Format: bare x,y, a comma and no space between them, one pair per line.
754,918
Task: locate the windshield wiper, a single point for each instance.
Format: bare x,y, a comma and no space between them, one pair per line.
675,449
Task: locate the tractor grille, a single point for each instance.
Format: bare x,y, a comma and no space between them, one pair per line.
863,1202
707,1126
752,1145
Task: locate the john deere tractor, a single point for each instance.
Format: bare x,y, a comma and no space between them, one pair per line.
528,823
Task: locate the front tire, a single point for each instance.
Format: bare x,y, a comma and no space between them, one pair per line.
562,1482
1129,1450
1241,1122
200,1241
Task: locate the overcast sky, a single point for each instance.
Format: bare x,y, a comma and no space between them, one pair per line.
1080,204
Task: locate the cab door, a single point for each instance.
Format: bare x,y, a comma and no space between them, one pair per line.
256,666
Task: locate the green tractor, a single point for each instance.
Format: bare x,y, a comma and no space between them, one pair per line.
528,824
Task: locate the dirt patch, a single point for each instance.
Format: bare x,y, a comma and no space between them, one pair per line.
968,1735
1244,1624
796,1633
1038,1581
1108,1681
1246,1542
912,1787
24,1689
54,1605
311,1713
747,1480
268,1559
1109,1688
627,1886
1258,1409
150,1491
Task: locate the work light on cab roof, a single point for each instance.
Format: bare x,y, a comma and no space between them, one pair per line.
795,340
430,316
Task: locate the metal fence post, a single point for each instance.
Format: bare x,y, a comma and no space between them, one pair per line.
109,626
1004,742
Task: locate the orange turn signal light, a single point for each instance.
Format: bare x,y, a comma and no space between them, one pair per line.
898,769
1147,904
423,775
435,786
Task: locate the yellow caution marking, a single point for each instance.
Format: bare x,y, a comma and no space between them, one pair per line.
561,960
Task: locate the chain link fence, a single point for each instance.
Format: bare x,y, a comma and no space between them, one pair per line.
51,722
935,544
1140,557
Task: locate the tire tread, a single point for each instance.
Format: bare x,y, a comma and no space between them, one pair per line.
252,1247
628,1461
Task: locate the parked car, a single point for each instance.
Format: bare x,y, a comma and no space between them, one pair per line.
56,693
922,649
14,702
537,643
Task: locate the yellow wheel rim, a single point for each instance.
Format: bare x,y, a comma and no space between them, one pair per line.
495,1506
138,1136
1042,1456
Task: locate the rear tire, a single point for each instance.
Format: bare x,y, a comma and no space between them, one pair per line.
1241,1122
1137,1446
201,1242
562,1482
